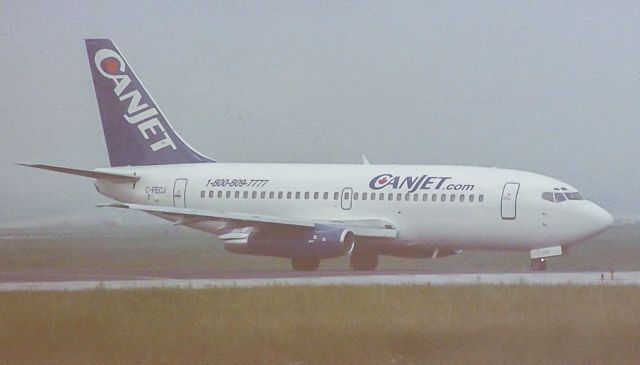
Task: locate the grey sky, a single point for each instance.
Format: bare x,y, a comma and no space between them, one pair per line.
551,87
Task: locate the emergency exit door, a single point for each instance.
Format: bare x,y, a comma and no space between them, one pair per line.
180,193
346,198
509,200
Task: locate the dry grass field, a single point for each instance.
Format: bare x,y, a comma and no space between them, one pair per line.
326,325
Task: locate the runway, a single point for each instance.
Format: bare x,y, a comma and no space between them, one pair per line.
329,279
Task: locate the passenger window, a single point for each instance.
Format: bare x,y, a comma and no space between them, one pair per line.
306,195
471,198
399,197
297,195
202,194
280,194
407,196
355,196
254,195
452,197
263,194
245,194
346,196
390,197
425,197
228,194
381,196
481,198
325,196
443,198
211,194
237,194
316,195
461,198
219,194
373,196
364,196
559,197
415,197
336,195
547,196
434,197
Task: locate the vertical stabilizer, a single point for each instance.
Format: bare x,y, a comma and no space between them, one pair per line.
136,131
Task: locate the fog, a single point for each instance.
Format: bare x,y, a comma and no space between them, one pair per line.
547,87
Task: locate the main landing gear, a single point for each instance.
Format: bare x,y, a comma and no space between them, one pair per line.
363,260
305,264
538,264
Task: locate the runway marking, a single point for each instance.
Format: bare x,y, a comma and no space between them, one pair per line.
579,278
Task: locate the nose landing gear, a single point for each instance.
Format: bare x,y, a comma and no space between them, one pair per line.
539,255
538,264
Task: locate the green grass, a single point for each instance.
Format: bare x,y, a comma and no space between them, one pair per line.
325,325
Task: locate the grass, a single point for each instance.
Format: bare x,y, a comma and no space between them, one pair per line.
324,325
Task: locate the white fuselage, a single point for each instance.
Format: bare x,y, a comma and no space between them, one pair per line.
440,206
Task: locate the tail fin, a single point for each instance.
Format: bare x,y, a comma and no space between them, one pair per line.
136,131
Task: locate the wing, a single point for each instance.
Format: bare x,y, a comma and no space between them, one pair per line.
379,228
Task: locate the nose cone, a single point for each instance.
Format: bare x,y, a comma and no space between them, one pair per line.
597,219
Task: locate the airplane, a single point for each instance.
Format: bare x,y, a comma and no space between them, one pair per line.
310,212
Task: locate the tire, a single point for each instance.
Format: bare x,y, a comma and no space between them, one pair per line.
538,265
363,261
305,264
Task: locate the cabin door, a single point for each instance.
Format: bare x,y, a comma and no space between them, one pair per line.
510,200
180,193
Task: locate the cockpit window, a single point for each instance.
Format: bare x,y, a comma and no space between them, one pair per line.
559,197
573,196
547,196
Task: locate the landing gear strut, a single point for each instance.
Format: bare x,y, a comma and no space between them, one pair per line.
539,255
305,264
538,264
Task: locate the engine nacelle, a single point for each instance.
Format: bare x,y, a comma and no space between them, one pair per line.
319,242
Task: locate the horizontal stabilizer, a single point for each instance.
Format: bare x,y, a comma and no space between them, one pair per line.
86,173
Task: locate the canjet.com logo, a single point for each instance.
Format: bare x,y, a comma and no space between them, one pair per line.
414,183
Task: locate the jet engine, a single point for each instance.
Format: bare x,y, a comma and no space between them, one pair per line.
319,242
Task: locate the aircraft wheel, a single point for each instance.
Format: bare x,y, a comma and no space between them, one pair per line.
363,261
305,264
538,265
